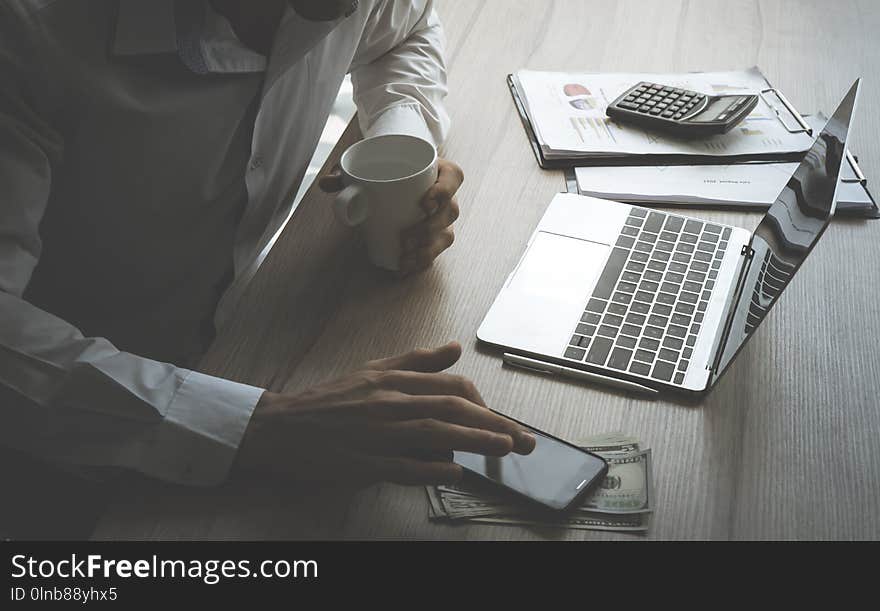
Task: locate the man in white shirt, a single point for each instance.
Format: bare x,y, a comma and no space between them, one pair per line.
148,152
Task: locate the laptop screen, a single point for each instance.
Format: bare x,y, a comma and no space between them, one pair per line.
789,230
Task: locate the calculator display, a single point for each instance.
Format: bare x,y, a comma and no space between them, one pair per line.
715,110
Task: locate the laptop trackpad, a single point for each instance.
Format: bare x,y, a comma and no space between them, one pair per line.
560,268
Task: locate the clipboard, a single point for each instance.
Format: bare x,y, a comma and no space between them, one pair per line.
660,159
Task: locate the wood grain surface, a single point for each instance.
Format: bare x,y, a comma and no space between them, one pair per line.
788,444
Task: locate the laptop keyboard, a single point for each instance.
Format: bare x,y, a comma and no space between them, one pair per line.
646,310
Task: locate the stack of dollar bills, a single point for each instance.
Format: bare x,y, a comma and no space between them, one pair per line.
622,502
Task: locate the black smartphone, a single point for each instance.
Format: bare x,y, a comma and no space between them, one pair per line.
556,475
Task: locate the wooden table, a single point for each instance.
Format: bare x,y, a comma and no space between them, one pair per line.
787,446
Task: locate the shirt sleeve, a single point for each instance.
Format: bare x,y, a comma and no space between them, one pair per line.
399,71
75,400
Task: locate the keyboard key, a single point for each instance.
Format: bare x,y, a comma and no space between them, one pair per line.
669,236
644,247
686,353
622,297
627,287
716,263
647,285
640,307
691,340
684,308
585,341
705,295
626,342
599,351
575,353
664,246
612,319
661,309
681,257
649,344
674,224
673,343
644,296
693,226
713,274
576,340
619,309
635,267
710,284
695,328
713,229
657,266
687,297
612,271
653,332
702,307
698,317
590,318
674,277
654,222
644,356
681,319
634,221
710,237
676,331
584,329
630,277
657,321
668,355
625,241
693,287
679,378
632,330
689,238
725,234
700,266
665,298
661,255
682,247
620,358
653,276
607,331
706,247
638,212
630,231
640,369
669,287
702,256
641,257
635,319
648,237
663,371
696,277
682,365
596,305
678,268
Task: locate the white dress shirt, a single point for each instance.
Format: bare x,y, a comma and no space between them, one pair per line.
107,148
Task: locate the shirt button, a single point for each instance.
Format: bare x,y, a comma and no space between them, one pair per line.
256,162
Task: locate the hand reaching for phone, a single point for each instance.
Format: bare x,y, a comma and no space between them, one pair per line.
397,419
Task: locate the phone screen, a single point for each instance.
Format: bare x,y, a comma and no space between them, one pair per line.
554,474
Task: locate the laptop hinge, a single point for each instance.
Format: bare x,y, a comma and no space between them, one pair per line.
747,253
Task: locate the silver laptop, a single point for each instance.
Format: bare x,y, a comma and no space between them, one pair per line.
662,300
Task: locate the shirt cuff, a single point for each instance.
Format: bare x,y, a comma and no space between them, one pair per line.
401,119
197,441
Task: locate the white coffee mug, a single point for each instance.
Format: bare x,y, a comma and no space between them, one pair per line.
385,179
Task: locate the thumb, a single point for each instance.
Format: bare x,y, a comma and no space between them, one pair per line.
425,361
332,181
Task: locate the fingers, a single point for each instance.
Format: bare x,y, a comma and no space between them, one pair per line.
458,410
332,181
422,360
423,233
415,472
418,383
429,435
449,179
424,257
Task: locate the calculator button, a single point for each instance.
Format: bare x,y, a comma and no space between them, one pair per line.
678,91
629,98
656,111
644,108
629,105
661,105
666,113
685,98
657,98
650,103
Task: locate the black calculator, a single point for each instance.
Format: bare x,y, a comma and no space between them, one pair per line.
683,112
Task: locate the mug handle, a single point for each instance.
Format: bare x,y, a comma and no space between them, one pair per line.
351,206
